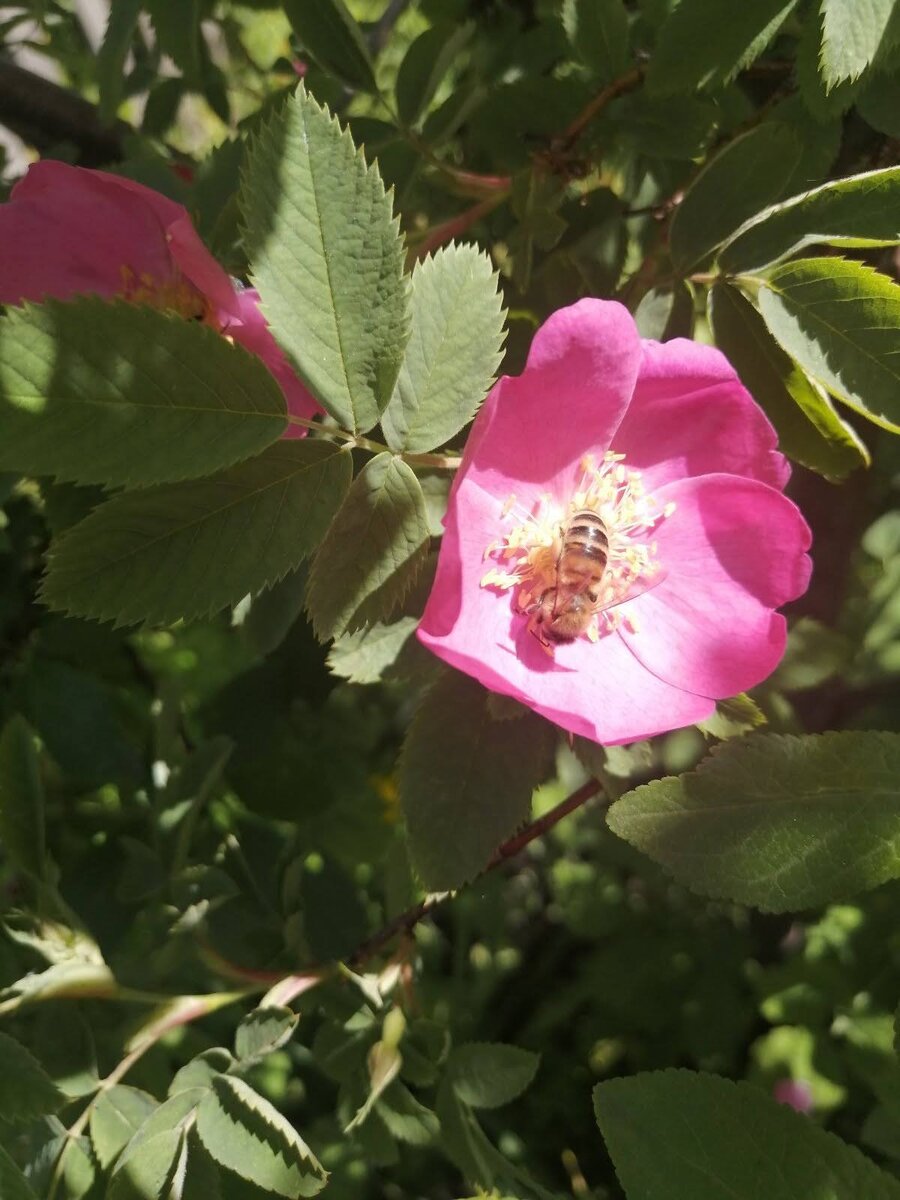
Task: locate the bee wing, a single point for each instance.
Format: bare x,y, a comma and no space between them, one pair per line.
637,588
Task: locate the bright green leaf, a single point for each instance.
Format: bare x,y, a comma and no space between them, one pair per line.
26,1090
372,550
466,779
840,320
809,430
598,33
853,34
244,1133
191,548
201,1070
405,1117
751,172
705,43
21,799
490,1074
677,1135
733,718
153,399
263,1031
364,656
147,1173
424,66
117,1115
328,260
781,823
861,210
453,350
328,31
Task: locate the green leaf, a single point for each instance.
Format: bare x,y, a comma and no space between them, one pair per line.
598,33
666,312
490,1074
424,66
879,102
13,1184
21,799
748,174
201,1070
677,1135
329,33
733,718
192,548
245,1134
840,320
466,779
120,26
264,1031
26,1090
453,352
676,127
405,1117
148,1172
705,43
154,399
328,260
781,823
372,550
364,656
853,34
809,430
116,1116
861,210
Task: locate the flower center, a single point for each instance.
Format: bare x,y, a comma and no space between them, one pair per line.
573,562
170,295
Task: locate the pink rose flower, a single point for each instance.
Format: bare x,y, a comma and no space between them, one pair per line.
616,538
67,231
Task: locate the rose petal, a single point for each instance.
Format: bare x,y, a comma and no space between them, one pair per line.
536,427
597,690
253,333
66,231
733,550
691,415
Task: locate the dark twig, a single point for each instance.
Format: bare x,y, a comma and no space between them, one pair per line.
406,921
44,114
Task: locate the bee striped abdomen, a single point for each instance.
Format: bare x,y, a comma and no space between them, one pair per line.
585,549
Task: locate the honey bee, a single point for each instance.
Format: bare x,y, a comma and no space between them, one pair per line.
565,610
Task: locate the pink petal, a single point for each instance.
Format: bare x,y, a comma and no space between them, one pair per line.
66,230
691,415
535,427
597,690
733,550
252,332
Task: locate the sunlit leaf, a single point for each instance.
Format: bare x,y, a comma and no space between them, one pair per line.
153,400
188,549
328,259
840,320
781,823
453,350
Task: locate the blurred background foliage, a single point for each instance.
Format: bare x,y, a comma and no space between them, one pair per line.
220,807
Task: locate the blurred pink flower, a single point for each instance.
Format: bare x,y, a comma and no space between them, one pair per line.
678,471
795,1093
68,230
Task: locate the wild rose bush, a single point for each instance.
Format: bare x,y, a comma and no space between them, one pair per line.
449,604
